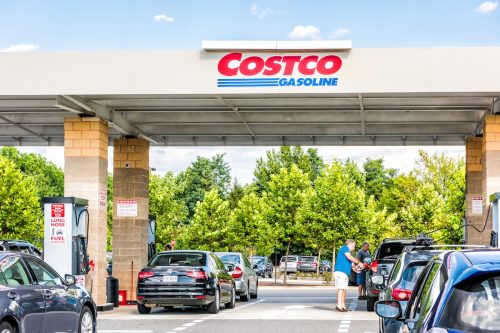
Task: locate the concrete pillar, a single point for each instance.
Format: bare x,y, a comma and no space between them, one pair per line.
130,227
474,188
85,176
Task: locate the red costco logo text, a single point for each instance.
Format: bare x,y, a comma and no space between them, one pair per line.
233,64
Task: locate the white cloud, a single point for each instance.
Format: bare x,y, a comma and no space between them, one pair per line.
340,33
261,13
487,7
163,18
301,32
20,48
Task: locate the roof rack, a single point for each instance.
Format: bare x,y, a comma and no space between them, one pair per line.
398,239
411,248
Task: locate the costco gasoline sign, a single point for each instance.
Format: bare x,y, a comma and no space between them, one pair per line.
278,70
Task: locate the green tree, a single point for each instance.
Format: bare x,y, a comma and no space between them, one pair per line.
203,175
286,193
377,177
19,204
310,162
334,212
210,227
48,178
250,231
167,208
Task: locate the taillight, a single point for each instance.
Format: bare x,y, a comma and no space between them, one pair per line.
374,266
315,263
197,274
401,294
145,275
299,263
237,272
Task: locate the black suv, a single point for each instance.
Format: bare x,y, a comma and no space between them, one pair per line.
19,246
384,258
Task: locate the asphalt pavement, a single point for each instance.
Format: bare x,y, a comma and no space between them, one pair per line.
278,309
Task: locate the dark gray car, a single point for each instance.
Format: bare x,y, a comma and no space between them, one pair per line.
34,298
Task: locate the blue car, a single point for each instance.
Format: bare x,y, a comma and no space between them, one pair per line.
35,299
458,291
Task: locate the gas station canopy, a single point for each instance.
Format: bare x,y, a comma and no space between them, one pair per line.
418,96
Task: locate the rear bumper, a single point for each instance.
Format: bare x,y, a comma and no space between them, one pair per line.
241,286
307,269
187,300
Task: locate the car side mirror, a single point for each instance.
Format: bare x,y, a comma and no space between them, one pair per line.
378,279
255,266
70,279
388,309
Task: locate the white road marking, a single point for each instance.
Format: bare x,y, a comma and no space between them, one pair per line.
344,325
189,324
180,328
124,331
345,322
197,320
342,330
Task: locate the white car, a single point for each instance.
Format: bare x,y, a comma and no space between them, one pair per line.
291,266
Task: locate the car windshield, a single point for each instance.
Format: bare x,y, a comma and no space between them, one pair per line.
474,306
178,259
410,275
390,249
229,257
290,259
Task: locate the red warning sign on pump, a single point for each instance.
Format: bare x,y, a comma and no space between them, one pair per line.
57,210
57,224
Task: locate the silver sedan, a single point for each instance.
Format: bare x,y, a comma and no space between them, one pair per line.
247,282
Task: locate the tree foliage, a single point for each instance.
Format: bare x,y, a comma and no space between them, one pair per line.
19,203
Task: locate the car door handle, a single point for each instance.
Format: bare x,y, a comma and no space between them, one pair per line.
13,295
47,293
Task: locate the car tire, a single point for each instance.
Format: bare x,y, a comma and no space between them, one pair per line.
86,322
232,302
142,309
254,296
370,304
5,327
214,307
246,296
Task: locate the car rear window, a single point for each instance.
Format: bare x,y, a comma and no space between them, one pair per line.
411,274
307,259
257,261
179,259
290,259
230,257
474,306
389,249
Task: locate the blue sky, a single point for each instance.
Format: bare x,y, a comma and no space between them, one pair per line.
63,25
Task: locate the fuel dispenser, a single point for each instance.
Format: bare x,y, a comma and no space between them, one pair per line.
494,198
66,222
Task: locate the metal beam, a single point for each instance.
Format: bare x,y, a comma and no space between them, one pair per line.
235,109
81,105
362,113
24,128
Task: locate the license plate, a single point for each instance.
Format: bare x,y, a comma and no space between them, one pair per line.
170,278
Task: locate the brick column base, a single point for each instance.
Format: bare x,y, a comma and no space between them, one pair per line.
130,233
86,176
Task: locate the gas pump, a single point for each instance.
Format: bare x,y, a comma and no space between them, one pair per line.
494,198
151,237
66,222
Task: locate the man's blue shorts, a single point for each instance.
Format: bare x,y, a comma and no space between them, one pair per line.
361,278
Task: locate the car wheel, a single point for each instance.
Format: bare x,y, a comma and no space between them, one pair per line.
246,296
214,307
232,303
142,309
6,328
254,296
370,304
86,321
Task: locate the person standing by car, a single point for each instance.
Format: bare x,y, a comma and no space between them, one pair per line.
342,269
363,253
